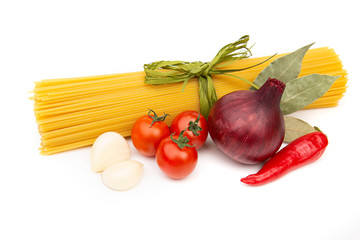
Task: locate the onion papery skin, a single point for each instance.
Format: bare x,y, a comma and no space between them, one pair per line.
248,126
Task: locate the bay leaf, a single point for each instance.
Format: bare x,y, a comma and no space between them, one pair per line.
284,68
302,91
295,128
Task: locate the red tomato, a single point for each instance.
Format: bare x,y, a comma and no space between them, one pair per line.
147,133
175,162
195,125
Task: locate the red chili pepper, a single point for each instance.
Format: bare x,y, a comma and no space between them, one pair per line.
298,153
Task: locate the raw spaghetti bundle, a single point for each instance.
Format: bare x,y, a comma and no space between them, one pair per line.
72,112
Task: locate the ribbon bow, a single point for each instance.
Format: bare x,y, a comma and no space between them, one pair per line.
163,72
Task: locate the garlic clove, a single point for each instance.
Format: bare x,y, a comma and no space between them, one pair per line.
109,148
123,175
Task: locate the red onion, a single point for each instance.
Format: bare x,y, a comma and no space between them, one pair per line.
248,126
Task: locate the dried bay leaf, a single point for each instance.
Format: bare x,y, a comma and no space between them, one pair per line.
302,91
295,128
285,68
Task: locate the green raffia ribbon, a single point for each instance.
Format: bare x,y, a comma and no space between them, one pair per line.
180,71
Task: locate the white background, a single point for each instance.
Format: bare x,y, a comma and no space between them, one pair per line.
58,197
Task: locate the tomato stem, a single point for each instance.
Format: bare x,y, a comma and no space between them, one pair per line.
181,141
155,117
194,126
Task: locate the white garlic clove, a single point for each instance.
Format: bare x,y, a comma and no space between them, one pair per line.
109,148
123,175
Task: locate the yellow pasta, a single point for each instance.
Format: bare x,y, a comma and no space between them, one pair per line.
72,112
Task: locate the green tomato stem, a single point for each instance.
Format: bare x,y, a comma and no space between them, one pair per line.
181,141
155,117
